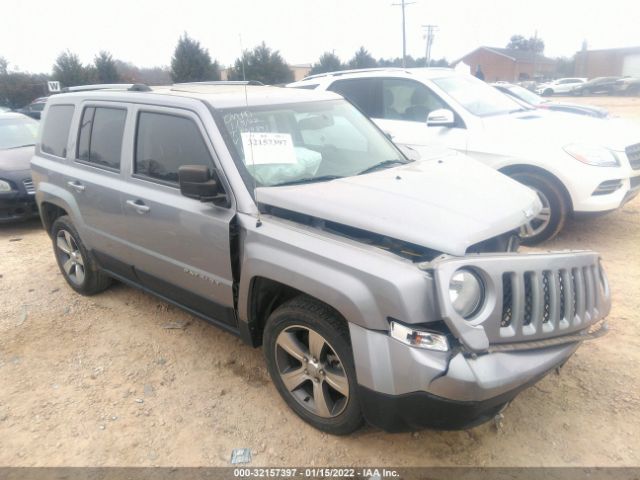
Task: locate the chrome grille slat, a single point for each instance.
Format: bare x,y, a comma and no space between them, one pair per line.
537,294
569,299
554,300
28,185
517,287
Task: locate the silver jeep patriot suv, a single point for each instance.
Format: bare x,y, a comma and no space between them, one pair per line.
381,286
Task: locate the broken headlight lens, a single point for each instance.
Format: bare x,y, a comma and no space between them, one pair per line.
466,292
419,338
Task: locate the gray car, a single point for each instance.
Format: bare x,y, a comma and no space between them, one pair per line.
381,286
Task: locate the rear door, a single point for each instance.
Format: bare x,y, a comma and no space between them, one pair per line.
93,174
180,246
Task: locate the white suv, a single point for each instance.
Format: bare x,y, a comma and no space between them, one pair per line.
561,85
575,164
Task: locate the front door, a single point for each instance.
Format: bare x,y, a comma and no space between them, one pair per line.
180,246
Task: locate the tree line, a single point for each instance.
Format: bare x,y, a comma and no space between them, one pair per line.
191,62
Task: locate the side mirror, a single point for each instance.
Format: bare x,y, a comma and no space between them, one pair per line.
441,118
196,181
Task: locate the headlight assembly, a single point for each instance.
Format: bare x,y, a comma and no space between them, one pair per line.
466,292
592,155
5,186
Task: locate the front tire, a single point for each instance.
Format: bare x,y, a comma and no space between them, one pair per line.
548,223
309,358
76,265
547,93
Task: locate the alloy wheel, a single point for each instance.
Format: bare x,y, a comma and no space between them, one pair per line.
538,223
70,257
311,371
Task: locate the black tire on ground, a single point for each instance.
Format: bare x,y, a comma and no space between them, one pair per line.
557,205
76,264
547,93
295,318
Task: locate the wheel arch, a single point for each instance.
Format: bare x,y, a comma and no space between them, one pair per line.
510,170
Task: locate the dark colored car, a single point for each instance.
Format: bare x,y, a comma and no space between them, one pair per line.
34,109
597,85
528,97
17,139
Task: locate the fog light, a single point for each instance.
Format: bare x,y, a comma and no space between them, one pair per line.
419,338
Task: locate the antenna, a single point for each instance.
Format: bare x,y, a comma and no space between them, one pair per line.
246,104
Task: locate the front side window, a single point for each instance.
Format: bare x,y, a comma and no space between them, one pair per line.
476,96
100,139
408,100
18,131
303,142
166,142
55,133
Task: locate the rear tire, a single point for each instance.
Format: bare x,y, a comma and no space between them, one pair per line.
548,223
76,264
309,358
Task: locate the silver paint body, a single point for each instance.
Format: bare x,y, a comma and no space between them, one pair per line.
186,242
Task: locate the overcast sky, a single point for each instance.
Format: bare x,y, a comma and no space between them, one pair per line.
34,32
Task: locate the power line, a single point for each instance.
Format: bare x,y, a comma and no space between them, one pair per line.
403,4
429,35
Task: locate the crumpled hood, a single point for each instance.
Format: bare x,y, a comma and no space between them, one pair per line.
445,205
16,159
557,129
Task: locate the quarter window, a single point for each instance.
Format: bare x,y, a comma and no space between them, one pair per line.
166,142
100,139
55,134
362,92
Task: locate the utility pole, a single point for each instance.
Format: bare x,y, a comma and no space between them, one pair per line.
430,33
403,4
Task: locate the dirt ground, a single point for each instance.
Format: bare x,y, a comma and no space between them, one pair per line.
102,381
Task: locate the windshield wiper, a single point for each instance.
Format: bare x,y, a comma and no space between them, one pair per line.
322,178
22,146
383,164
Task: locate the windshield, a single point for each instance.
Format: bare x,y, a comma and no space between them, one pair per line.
304,142
17,132
476,96
526,95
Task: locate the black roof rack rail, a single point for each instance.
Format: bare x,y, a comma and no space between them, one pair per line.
139,87
221,82
100,86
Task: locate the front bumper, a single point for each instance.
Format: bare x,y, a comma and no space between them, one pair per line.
16,207
405,388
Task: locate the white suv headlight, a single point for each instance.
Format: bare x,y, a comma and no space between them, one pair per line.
5,186
592,155
466,292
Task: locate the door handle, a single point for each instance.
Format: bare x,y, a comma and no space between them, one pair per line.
77,186
138,206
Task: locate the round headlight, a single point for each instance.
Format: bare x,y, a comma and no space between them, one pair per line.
466,292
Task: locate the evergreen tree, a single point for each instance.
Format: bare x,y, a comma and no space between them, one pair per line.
192,63
328,62
69,71
262,64
105,68
362,59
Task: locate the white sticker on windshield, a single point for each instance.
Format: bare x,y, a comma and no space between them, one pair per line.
268,148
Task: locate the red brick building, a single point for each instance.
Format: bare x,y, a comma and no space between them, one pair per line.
611,62
507,64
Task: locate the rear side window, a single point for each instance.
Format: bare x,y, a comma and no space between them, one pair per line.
166,142
363,93
100,138
55,133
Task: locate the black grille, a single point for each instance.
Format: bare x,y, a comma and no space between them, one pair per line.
546,313
528,298
507,300
633,154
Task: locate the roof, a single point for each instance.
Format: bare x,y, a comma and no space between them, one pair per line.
218,96
512,54
432,72
613,50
